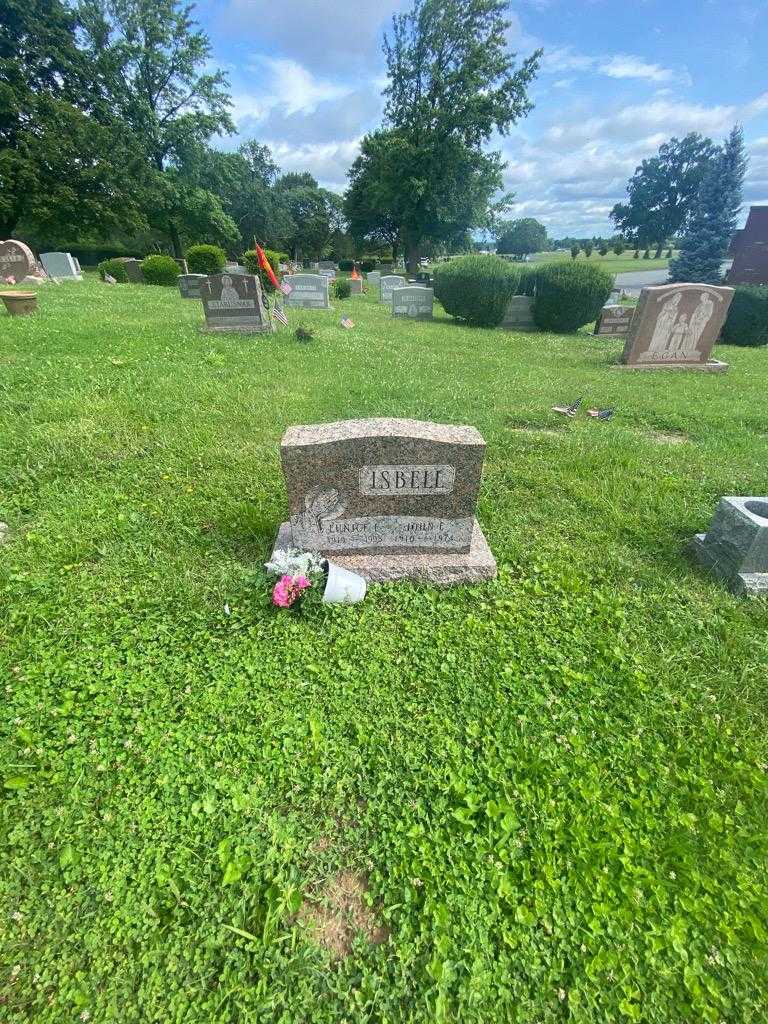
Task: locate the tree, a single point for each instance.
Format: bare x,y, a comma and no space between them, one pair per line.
705,243
64,164
662,191
314,213
588,249
522,237
149,60
452,83
574,251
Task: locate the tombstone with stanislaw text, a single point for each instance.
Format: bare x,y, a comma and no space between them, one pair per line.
234,302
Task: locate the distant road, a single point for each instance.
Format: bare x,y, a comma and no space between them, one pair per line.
639,279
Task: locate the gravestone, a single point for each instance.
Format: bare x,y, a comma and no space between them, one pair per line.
182,265
614,320
60,264
133,270
330,275
414,302
356,285
388,498
387,285
675,326
374,278
78,268
234,302
424,278
16,260
327,265
308,291
235,268
735,548
518,316
750,250
189,285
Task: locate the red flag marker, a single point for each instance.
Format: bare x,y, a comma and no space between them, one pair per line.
266,266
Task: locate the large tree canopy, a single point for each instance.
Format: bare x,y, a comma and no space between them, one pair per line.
662,191
452,83
521,237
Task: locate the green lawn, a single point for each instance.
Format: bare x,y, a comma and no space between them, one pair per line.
538,800
624,264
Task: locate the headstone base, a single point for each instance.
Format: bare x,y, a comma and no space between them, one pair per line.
267,328
751,584
440,568
712,366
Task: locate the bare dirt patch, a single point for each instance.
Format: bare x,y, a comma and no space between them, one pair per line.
668,437
338,912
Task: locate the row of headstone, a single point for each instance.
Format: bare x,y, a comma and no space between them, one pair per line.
61,265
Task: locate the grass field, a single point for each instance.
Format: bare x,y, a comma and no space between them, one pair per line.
538,800
624,264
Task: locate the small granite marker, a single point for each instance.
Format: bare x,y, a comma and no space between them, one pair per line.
736,546
327,265
676,326
16,260
307,291
356,285
518,316
415,302
374,278
387,285
614,320
234,302
61,265
133,270
189,285
388,498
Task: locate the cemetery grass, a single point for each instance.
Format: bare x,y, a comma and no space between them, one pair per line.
624,264
536,800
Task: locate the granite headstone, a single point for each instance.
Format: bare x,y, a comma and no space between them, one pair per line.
307,291
518,316
614,320
387,285
234,302
750,250
374,278
61,265
735,548
388,498
414,302
133,270
189,285
16,260
327,265
356,285
675,326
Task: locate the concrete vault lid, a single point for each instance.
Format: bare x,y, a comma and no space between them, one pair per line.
352,430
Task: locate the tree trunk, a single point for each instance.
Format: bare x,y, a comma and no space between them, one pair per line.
659,247
412,256
173,231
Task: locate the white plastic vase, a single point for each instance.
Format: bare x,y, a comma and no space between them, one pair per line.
343,586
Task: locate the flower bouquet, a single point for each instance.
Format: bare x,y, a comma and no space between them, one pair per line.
301,573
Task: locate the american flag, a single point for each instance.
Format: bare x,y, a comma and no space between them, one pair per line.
347,322
278,313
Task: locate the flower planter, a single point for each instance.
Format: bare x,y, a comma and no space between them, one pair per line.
19,303
343,586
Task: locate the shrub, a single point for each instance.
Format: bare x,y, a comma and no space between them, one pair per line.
114,268
346,264
574,251
342,289
205,259
618,248
569,295
747,322
647,254
476,288
588,250
251,264
368,265
160,270
637,254
603,250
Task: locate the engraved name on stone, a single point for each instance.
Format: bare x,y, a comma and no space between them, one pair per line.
383,531
406,480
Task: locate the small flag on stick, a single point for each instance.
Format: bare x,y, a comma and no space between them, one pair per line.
278,313
266,266
347,322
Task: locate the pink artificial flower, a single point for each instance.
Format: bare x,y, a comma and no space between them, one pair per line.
10,279
289,589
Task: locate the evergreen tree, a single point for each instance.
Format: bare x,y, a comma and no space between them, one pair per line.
705,242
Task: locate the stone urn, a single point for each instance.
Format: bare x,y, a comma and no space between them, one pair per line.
19,303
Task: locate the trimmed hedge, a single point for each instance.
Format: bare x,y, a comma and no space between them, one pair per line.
160,269
346,264
569,295
251,264
342,289
368,265
115,268
477,289
747,322
205,259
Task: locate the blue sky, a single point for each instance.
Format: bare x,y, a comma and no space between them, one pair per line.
619,77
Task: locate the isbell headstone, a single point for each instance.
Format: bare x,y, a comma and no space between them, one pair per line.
387,285
306,291
189,285
388,498
675,326
16,260
60,265
614,320
735,548
414,303
518,316
234,302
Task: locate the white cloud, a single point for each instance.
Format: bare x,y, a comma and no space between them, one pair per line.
626,66
562,59
292,90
